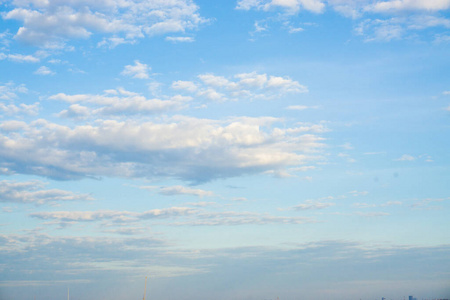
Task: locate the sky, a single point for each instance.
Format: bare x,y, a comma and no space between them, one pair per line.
228,150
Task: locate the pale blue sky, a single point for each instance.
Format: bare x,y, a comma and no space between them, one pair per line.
247,149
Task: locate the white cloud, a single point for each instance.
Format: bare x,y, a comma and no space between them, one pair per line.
214,81
391,203
428,203
297,107
118,102
406,157
363,205
232,218
359,193
75,111
13,125
9,91
295,29
20,58
240,86
372,214
381,30
384,20
211,95
138,70
289,6
33,192
239,199
181,190
311,205
397,5
182,147
184,85
43,70
117,216
12,109
180,39
51,23
190,216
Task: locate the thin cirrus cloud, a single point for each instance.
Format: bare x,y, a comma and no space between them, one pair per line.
116,216
178,190
189,216
51,23
311,205
33,192
180,39
187,148
181,190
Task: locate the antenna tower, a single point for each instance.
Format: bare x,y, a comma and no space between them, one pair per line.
145,288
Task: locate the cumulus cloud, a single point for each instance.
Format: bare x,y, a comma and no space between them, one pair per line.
184,85
117,102
43,70
138,70
181,147
34,192
51,23
22,108
10,90
240,86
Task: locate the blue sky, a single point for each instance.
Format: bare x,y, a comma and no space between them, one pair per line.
248,149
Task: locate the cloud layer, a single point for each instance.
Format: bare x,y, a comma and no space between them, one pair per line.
181,147
50,23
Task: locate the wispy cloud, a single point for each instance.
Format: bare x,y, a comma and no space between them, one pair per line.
34,192
311,205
